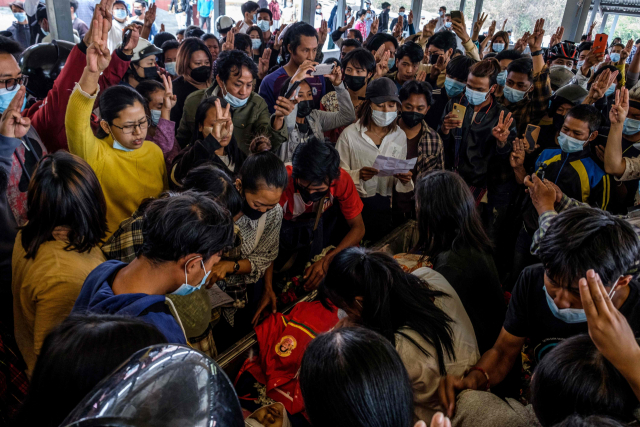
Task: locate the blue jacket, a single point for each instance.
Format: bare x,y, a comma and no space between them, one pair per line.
97,296
205,7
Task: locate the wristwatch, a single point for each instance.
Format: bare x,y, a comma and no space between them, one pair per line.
536,53
236,267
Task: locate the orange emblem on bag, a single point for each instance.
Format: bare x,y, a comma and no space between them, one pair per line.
286,346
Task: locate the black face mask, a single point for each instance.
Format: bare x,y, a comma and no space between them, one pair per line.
355,83
433,59
411,118
308,197
201,74
304,108
151,73
252,214
558,121
137,12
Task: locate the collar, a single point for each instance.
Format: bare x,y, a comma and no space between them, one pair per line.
579,155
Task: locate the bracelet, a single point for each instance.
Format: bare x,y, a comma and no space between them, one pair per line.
477,368
536,53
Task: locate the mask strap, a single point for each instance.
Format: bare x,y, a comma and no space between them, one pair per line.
186,280
613,288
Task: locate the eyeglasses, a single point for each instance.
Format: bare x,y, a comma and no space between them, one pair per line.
11,84
143,125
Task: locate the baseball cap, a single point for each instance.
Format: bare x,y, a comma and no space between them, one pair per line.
382,90
17,4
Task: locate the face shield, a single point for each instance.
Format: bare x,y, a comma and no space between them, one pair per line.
163,385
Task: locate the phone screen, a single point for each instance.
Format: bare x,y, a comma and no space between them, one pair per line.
531,135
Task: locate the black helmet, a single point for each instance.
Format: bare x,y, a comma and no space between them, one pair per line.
161,386
43,63
572,94
566,50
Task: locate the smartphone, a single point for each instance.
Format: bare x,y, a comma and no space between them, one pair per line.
600,43
323,69
291,91
456,15
126,37
541,171
531,135
459,111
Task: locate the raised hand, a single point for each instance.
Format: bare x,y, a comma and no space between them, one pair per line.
374,26
222,128
283,107
439,67
349,24
521,44
263,63
336,76
504,24
421,75
304,70
410,18
593,25
322,33
150,16
626,51
12,124
133,40
517,153
501,130
237,27
492,29
600,85
228,44
397,30
460,29
98,55
382,67
162,28
169,98
377,54
535,39
429,28
620,109
477,26
277,44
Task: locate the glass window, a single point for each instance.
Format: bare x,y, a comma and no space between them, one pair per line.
627,28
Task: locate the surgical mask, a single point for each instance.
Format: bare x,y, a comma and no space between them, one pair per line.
249,212
453,87
580,64
155,117
201,74
383,119
368,16
256,43
447,24
401,14
567,315
318,12
46,33
615,57
611,89
304,108
498,47
7,96
411,118
118,146
392,62
441,13
569,144
475,97
186,288
631,126
171,68
513,95
20,16
502,77
354,83
554,67
263,25
120,14
233,101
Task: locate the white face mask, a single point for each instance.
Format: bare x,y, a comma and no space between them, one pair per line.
155,117
186,288
383,119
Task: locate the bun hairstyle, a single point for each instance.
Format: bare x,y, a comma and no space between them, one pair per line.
260,143
487,68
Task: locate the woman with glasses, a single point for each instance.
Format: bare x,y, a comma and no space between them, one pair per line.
128,167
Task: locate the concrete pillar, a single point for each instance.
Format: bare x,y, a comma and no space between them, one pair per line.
594,12
218,10
612,32
308,11
603,24
416,6
59,17
574,19
476,14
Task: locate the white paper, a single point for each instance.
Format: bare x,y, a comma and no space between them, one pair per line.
389,166
218,297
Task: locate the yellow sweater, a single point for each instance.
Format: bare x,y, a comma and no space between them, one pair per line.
44,291
127,177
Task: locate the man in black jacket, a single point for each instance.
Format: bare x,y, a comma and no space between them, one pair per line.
384,17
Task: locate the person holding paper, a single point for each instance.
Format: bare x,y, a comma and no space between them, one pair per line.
376,133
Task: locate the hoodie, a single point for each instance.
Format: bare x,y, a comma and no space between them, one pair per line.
97,296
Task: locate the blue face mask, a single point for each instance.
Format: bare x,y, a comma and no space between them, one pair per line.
447,24
453,87
120,14
20,16
401,14
392,62
7,96
186,288
567,315
155,117
615,57
498,47
368,16
513,95
170,67
475,97
569,144
502,78
263,25
233,101
611,89
256,43
631,126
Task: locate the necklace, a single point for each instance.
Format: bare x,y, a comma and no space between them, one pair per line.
378,135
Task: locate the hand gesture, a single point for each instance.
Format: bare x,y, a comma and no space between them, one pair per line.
263,63
601,84
517,153
304,71
133,40
162,28
543,194
492,29
620,109
626,52
377,54
592,59
521,44
429,28
12,124
349,24
504,24
366,173
374,26
460,29
228,44
169,98
322,33
98,55
593,25
336,76
150,16
421,75
450,122
283,107
501,131
397,30
556,37
410,18
382,67
277,44
477,26
440,66
223,126
103,9
535,39
237,27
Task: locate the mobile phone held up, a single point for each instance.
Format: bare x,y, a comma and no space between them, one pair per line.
126,37
459,111
323,69
531,135
600,43
456,15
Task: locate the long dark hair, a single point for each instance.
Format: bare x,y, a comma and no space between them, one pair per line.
353,377
64,191
392,299
75,357
236,156
113,100
261,34
447,215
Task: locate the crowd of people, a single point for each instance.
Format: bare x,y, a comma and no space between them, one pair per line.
164,195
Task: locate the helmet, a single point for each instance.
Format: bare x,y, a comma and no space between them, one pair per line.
162,385
560,76
143,49
572,94
42,63
566,50
224,23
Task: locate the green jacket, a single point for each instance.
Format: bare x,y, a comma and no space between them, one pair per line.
248,122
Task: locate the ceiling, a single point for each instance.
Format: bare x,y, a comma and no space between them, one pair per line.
621,7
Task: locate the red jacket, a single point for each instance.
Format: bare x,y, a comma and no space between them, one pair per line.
47,116
283,340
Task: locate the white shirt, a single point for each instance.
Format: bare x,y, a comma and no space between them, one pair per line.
357,150
227,161
244,27
115,34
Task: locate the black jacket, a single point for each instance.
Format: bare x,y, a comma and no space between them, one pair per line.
384,21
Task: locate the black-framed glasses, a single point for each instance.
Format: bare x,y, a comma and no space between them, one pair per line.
143,125
11,84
